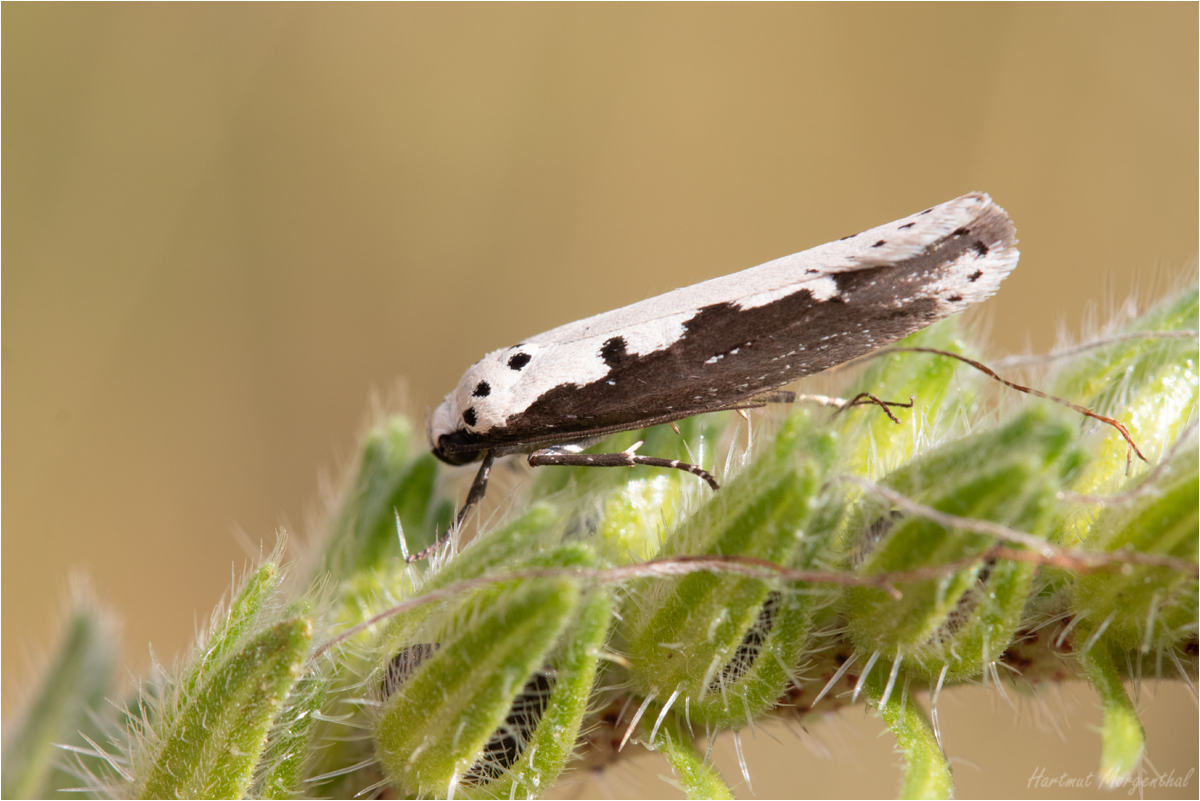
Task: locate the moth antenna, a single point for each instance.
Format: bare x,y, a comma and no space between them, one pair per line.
1037,393
1147,484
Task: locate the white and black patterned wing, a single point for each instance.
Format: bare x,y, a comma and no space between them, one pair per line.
719,343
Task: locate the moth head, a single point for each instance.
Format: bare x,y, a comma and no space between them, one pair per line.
449,438
481,401
455,449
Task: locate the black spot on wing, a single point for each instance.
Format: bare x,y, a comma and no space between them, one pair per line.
980,248
975,276
880,243
613,352
482,390
761,348
906,226
519,360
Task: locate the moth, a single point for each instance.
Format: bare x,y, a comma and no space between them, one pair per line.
727,343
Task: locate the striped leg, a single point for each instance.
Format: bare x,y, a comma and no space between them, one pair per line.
560,456
478,488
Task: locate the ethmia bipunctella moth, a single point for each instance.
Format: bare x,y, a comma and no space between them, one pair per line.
728,343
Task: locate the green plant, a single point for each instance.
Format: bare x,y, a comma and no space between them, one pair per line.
846,558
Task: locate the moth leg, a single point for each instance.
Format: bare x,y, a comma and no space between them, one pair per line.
757,401
865,398
562,457
478,488
774,396
861,399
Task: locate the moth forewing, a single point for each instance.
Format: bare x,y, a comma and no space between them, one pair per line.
724,343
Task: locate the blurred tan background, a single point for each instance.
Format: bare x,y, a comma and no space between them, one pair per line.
225,226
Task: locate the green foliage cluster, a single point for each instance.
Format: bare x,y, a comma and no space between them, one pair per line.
574,626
